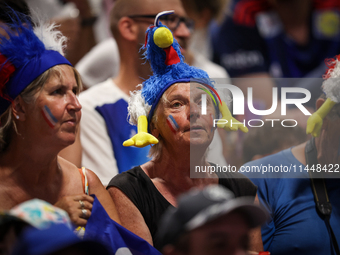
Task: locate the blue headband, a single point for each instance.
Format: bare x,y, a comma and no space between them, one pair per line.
28,73
24,57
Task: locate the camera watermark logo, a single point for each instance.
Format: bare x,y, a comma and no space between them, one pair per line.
238,105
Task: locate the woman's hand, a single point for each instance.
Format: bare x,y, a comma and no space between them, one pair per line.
78,207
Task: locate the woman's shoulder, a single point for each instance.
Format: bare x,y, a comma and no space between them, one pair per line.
81,180
72,179
127,178
68,169
137,186
71,169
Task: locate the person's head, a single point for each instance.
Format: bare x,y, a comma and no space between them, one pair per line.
178,121
268,139
34,213
38,85
130,19
325,122
209,221
202,12
40,214
171,97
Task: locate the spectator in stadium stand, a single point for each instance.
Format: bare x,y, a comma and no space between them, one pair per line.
303,202
209,221
168,115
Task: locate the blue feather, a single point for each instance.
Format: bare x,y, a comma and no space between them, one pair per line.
27,53
20,46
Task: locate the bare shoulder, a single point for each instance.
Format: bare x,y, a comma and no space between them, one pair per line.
94,181
72,178
70,168
129,215
67,165
92,177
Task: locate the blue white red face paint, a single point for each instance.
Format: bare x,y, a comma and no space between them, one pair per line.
172,123
48,116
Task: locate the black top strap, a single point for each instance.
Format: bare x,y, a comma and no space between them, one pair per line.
323,205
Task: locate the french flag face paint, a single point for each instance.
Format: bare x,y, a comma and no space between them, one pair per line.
48,116
172,123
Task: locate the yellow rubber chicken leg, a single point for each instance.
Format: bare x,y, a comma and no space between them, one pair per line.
142,138
232,124
314,122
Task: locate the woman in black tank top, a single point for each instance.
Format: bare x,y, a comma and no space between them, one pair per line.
170,117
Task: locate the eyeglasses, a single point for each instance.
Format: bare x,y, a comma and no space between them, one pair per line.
172,21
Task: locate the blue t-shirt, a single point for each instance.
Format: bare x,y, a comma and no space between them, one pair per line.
295,226
253,40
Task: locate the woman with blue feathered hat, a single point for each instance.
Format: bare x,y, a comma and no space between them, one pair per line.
39,115
167,112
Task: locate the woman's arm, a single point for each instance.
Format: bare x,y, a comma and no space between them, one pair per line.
97,188
130,216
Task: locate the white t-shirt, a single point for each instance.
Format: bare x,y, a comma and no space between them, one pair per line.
104,128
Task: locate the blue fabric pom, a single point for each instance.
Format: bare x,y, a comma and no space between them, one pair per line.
163,74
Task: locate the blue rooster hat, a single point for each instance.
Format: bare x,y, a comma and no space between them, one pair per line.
26,53
167,63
